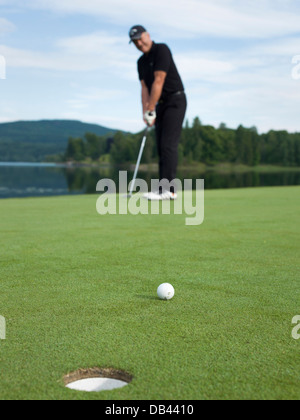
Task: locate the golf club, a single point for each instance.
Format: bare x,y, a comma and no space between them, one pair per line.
138,162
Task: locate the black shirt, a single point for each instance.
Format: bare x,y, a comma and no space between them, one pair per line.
160,59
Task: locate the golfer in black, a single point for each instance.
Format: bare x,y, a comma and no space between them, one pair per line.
164,104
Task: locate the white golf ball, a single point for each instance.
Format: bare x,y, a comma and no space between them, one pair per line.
165,291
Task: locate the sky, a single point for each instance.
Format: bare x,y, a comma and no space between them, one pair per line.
71,59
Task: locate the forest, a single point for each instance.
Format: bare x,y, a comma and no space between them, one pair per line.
199,144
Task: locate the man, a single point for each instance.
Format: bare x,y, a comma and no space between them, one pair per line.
164,105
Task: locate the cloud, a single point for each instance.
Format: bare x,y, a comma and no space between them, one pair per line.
22,58
287,47
235,57
248,85
89,97
102,50
250,19
90,52
199,66
6,26
95,43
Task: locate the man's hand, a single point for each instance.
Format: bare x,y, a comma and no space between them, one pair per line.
149,118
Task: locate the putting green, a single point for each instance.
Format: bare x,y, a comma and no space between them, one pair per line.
78,291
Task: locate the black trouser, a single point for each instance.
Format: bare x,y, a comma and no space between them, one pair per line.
170,116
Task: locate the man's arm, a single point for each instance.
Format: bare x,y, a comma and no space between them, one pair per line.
150,100
145,97
157,88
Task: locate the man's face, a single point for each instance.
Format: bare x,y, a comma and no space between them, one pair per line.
144,44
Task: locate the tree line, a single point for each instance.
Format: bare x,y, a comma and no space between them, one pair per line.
199,143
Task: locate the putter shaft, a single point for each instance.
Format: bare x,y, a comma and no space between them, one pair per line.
138,161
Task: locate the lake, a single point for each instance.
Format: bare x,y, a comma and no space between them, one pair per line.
19,180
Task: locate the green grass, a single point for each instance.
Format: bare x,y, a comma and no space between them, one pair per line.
78,290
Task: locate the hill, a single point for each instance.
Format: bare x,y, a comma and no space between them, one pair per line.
33,141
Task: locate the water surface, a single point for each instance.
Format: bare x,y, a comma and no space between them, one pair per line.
46,179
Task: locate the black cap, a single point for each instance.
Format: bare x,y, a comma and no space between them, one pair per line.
136,32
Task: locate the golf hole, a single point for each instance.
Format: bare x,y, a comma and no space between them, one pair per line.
97,379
